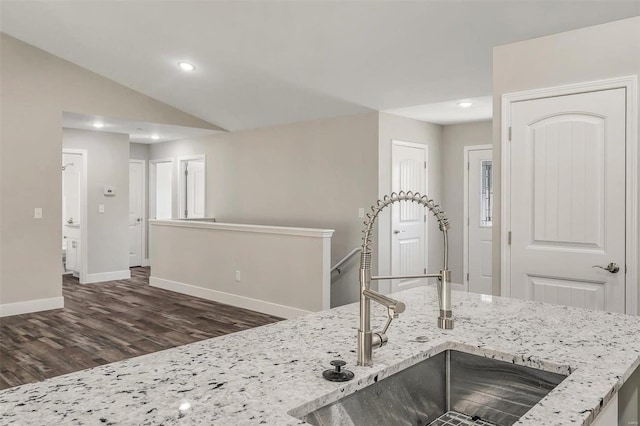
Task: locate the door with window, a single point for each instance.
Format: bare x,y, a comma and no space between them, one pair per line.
567,200
479,220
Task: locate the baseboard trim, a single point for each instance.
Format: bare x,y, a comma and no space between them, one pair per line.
29,306
228,298
107,276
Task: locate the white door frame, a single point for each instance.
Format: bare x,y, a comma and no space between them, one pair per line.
182,163
144,224
465,227
84,212
396,142
630,84
152,185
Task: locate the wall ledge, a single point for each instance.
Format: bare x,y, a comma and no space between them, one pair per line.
228,298
259,229
29,306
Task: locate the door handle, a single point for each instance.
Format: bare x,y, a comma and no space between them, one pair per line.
395,231
612,267
138,220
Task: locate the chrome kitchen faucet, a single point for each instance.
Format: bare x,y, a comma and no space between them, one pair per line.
367,339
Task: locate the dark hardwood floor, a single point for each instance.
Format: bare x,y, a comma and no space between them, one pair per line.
108,322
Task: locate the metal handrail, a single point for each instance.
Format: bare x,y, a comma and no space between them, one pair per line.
336,267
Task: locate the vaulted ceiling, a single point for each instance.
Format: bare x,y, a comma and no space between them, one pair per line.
264,63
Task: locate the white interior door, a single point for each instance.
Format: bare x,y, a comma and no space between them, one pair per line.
408,227
480,221
136,217
567,199
195,189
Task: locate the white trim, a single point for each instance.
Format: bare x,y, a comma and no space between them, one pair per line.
425,148
146,262
228,298
29,306
84,212
108,276
465,211
181,183
630,84
145,219
152,185
258,229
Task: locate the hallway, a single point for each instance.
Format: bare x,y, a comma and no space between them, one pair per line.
109,322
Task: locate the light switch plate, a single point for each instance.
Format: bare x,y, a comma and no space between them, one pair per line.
37,213
361,212
100,208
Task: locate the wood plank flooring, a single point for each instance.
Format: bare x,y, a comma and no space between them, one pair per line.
108,322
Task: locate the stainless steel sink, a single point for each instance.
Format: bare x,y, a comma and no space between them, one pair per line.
486,391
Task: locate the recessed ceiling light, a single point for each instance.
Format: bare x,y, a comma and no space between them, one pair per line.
186,66
98,124
465,104
155,137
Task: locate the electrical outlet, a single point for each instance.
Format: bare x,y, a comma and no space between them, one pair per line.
361,212
238,276
37,213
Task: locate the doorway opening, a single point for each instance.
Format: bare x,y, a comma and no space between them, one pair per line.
192,187
74,213
137,222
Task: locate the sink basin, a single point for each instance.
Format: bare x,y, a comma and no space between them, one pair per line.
485,391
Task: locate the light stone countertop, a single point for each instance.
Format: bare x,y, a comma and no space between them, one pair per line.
258,376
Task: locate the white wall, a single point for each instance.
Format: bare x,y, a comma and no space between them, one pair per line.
36,88
594,53
313,174
393,127
163,196
107,165
455,138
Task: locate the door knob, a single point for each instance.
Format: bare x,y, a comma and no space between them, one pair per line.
138,220
612,267
395,231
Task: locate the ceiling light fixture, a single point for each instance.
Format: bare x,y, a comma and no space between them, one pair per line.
186,66
465,104
155,137
98,124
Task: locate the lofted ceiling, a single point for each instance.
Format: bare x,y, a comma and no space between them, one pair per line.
262,63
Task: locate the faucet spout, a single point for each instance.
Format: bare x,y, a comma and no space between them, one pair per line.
368,340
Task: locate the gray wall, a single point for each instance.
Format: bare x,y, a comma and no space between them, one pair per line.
36,88
393,127
107,164
139,151
594,53
455,138
313,174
